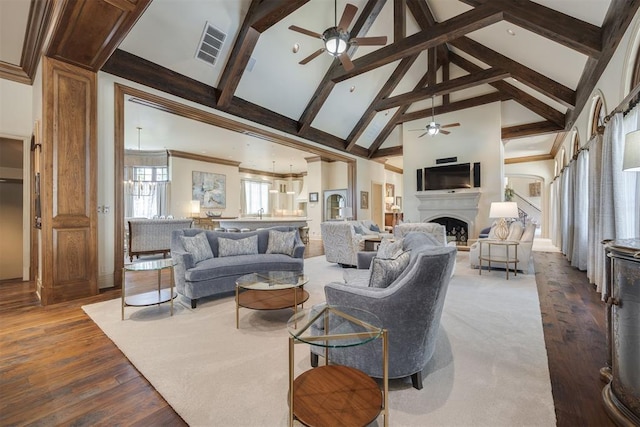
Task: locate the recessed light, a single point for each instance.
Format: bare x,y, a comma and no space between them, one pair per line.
296,48
352,88
511,32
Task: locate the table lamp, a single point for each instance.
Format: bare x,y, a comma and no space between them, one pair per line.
348,213
501,211
195,208
389,201
631,159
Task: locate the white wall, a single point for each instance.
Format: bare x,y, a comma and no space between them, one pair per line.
366,173
544,170
476,140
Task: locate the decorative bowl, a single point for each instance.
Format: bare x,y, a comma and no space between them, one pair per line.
213,214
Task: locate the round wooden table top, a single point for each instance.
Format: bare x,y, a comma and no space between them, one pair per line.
336,396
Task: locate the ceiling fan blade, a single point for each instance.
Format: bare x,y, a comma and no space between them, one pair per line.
445,132
347,16
311,57
346,62
450,125
370,41
305,31
420,136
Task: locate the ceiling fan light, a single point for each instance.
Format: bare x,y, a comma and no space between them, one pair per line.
335,41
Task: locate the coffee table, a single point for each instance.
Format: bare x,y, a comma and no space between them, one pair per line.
270,290
149,298
332,395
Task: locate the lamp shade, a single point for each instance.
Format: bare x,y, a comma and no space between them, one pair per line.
389,200
195,207
503,210
348,212
631,159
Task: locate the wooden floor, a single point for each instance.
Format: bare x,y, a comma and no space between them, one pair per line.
58,368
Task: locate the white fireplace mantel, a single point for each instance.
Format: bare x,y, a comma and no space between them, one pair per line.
460,204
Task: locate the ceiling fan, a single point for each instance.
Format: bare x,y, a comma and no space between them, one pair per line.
434,128
337,39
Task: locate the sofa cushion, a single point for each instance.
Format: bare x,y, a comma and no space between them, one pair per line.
515,231
358,229
389,249
374,227
232,247
236,266
281,242
385,271
198,247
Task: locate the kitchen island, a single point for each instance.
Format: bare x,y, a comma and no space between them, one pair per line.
253,223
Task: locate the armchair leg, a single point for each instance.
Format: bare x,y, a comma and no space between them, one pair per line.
416,380
194,303
314,360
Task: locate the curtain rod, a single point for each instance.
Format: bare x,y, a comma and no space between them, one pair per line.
626,105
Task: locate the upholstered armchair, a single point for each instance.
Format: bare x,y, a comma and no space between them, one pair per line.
342,241
410,309
517,232
437,230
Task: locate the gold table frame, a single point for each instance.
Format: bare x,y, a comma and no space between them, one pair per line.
152,297
506,259
373,330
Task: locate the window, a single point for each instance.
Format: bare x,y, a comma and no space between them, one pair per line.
150,174
255,197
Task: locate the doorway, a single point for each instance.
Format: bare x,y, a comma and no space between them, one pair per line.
376,204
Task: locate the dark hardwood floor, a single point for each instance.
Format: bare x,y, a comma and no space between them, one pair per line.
58,368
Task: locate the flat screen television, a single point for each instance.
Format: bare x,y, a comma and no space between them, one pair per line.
447,177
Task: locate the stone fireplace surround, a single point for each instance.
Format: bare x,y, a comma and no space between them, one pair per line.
459,204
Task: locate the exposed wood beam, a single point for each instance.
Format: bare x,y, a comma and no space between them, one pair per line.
360,29
530,129
527,76
528,159
386,90
387,152
425,19
260,17
461,83
451,29
399,20
557,26
131,67
445,78
516,94
393,168
616,22
557,143
454,106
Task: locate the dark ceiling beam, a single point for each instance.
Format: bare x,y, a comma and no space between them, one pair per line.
616,22
453,106
546,22
451,29
518,95
392,123
386,90
465,82
529,129
527,76
136,69
260,17
387,152
425,19
360,28
528,159
399,20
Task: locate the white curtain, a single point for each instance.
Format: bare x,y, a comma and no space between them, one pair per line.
595,177
554,226
618,216
580,211
566,206
146,199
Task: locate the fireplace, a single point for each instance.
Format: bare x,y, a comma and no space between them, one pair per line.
457,230
459,206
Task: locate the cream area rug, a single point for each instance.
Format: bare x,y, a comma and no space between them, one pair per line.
490,366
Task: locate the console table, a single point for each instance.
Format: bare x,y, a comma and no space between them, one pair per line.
503,257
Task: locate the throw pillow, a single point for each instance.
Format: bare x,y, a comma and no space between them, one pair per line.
198,247
374,227
385,271
244,246
358,229
281,242
389,248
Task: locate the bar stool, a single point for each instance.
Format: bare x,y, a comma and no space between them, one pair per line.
304,234
233,230
245,230
219,229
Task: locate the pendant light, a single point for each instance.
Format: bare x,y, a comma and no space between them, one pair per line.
273,179
290,190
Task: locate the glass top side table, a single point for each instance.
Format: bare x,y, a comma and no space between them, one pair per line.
314,394
153,297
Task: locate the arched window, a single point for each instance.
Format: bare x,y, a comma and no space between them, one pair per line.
575,145
597,119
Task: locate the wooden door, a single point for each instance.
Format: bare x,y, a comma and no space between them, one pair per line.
68,183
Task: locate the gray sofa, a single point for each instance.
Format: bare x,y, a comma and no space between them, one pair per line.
410,309
218,275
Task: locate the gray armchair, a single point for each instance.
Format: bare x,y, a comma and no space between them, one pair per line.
410,309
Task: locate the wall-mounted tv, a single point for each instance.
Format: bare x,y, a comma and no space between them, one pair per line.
447,177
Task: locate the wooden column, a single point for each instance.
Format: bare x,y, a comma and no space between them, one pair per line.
68,183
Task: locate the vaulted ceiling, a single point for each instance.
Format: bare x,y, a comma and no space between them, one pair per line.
539,59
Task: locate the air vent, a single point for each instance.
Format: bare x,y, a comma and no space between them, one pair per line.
210,44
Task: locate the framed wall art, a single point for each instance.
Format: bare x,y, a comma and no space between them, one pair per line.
364,200
210,189
313,197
